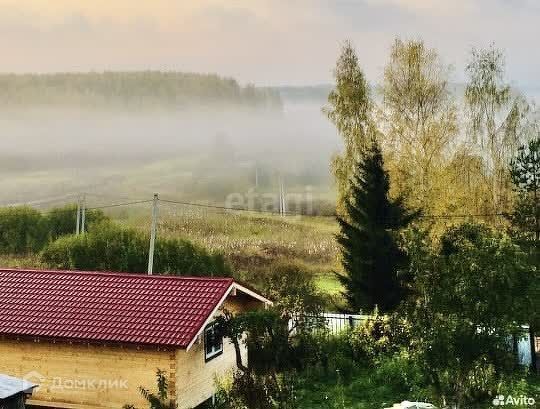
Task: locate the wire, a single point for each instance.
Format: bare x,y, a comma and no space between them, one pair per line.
119,204
70,210
237,209
241,209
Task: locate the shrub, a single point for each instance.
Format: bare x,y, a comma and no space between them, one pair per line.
62,221
377,337
23,230
110,248
248,390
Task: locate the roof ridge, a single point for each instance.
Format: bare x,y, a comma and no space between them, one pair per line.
116,274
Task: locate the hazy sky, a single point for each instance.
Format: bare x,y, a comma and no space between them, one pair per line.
267,42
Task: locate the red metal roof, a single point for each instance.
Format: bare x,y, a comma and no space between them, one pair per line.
107,307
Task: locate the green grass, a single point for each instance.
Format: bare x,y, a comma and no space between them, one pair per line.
363,392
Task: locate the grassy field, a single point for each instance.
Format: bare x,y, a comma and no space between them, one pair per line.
253,243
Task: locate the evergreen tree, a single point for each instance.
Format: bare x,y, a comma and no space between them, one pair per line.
370,255
525,173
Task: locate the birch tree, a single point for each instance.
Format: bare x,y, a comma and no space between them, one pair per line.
420,116
349,109
496,117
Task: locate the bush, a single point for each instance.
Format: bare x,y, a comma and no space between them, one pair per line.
23,230
251,391
377,337
110,248
62,221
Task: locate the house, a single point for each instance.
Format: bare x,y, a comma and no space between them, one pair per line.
91,339
14,391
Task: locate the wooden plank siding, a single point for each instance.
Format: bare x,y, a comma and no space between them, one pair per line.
86,376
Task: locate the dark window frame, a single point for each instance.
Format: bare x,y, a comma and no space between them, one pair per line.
210,331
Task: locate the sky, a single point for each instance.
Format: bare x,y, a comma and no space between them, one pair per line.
265,42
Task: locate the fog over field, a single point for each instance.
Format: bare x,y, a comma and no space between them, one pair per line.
202,152
197,153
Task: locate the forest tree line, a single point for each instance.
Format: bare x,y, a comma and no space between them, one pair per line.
132,90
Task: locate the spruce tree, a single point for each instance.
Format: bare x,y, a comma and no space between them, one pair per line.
370,254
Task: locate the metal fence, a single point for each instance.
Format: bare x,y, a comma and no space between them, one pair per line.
334,323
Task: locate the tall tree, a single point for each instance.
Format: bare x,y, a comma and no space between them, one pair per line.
370,255
420,116
496,116
349,110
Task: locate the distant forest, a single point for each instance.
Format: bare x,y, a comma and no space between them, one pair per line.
131,90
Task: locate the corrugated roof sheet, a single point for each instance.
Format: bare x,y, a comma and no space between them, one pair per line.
107,307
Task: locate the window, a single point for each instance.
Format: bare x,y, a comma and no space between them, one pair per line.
213,342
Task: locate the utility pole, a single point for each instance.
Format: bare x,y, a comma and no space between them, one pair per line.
256,176
83,214
77,223
153,234
282,201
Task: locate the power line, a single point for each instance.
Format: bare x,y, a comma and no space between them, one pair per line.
119,204
239,209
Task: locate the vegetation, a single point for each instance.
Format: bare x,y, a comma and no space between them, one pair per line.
419,121
350,111
496,117
25,231
471,295
447,297
110,248
525,174
159,400
371,256
131,90
257,245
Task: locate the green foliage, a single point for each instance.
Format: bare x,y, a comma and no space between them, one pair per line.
376,337
278,338
159,400
350,111
293,291
371,256
497,118
420,120
525,173
248,390
110,248
61,221
131,90
471,296
23,230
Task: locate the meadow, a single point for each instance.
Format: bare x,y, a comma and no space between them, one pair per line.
253,243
